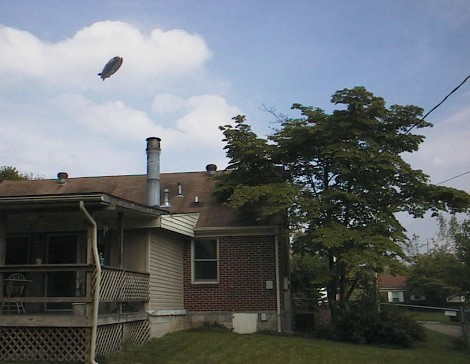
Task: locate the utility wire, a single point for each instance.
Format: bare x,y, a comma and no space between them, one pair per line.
429,112
435,107
450,179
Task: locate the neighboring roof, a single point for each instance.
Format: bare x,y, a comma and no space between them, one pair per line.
389,281
134,188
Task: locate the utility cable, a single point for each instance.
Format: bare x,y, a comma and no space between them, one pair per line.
439,104
450,179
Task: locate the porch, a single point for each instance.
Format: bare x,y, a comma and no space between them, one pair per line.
34,333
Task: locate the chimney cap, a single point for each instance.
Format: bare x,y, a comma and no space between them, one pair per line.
153,143
153,138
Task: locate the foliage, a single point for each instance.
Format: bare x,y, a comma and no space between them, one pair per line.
309,274
357,323
12,174
341,178
445,268
436,275
462,243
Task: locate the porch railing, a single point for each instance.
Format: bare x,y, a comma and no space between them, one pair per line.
117,285
122,285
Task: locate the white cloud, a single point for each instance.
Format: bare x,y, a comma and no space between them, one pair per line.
201,118
75,61
57,114
111,118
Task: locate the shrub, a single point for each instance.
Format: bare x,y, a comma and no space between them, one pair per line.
358,323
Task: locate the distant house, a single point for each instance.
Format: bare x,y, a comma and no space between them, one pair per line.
121,259
393,289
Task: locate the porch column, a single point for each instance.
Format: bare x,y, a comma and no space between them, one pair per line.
3,238
3,247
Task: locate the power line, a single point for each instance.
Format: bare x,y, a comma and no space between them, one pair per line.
439,104
450,179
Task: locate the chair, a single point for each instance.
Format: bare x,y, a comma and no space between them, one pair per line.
15,288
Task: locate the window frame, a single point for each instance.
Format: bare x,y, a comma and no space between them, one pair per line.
194,261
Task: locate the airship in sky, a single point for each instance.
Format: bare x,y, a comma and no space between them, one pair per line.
111,67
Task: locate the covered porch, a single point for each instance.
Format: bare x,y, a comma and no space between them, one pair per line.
81,263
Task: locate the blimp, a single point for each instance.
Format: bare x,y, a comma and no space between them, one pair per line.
111,67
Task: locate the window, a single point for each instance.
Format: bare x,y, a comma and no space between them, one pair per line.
395,296
205,261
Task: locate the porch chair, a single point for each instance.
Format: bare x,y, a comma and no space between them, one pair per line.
15,288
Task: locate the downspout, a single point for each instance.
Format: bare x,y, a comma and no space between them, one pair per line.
278,284
96,293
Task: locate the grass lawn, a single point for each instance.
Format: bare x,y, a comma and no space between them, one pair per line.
217,346
429,315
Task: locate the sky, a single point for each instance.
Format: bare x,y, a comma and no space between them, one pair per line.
190,66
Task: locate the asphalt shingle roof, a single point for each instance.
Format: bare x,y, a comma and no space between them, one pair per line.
134,188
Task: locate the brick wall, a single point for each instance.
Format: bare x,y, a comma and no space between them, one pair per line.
245,264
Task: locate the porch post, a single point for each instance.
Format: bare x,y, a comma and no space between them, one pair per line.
3,247
3,238
121,240
96,297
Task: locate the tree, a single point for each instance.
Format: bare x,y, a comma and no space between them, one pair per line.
11,173
462,243
309,274
445,268
437,275
341,179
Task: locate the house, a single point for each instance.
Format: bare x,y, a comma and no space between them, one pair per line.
393,289
122,259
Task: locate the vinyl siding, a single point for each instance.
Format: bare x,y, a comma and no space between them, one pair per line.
166,272
180,223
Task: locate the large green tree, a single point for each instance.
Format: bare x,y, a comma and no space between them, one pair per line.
436,275
341,178
444,269
462,244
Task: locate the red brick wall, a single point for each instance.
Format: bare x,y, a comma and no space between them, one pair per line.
245,264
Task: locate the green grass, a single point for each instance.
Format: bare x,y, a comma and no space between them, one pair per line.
429,315
224,347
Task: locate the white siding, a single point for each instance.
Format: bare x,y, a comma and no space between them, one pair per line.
166,272
180,223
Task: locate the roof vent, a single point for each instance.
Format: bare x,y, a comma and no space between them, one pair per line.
180,190
62,178
211,168
166,198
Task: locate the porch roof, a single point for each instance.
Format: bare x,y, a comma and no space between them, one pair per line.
66,202
127,191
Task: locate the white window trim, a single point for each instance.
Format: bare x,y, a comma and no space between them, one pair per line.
396,296
209,281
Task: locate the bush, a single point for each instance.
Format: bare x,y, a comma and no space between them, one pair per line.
361,324
398,328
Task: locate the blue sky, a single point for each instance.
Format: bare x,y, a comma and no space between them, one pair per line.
189,66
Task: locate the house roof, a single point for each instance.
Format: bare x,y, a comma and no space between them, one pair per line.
389,281
133,188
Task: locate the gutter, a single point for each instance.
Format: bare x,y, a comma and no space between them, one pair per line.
96,293
278,284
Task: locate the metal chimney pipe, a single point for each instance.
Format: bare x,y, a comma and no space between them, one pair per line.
153,171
